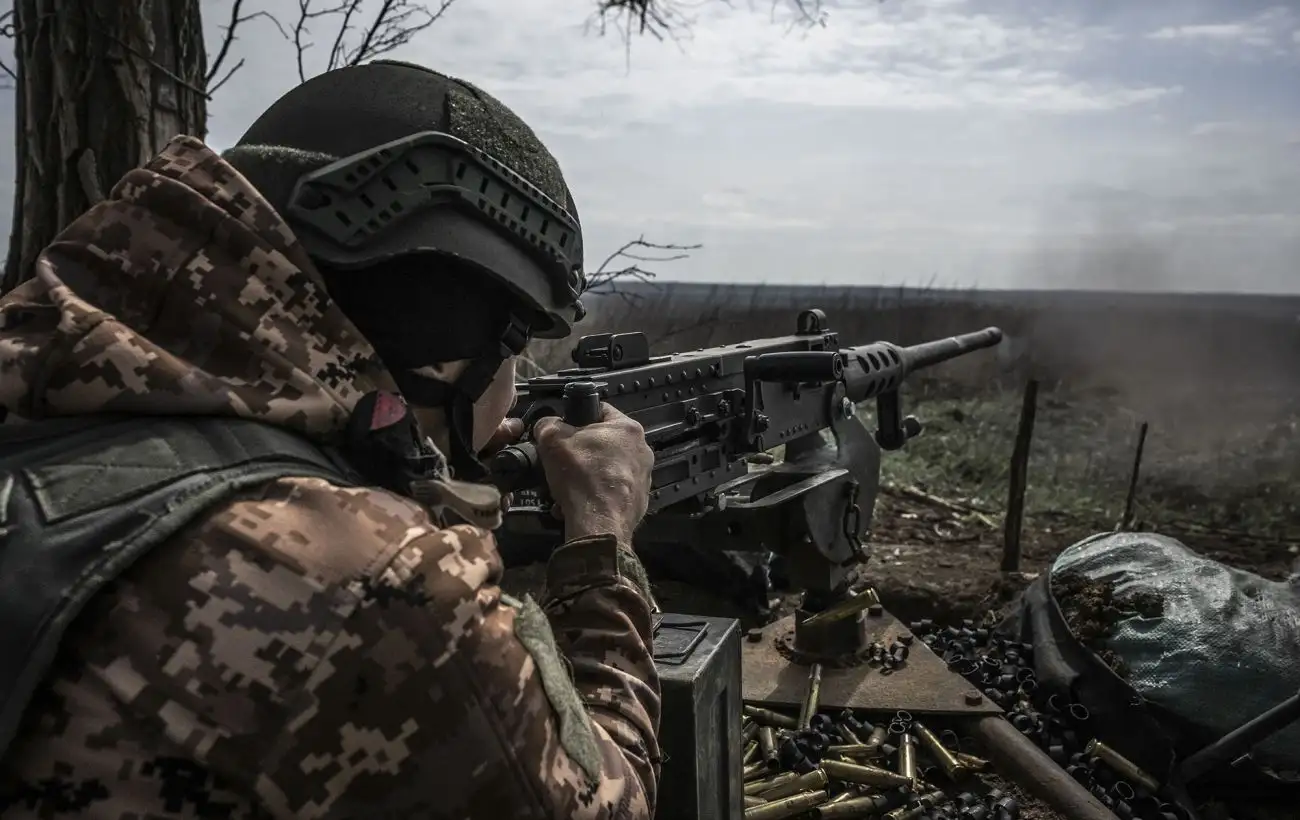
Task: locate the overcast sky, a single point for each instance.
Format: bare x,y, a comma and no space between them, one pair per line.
994,143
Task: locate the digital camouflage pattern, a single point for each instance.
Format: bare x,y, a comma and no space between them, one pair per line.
306,650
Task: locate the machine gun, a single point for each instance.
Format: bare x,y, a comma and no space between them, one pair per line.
709,412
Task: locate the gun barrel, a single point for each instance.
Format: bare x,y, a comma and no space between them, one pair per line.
927,354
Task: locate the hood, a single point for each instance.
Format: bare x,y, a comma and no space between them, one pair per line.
183,293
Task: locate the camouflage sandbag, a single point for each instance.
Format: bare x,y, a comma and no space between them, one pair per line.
1225,648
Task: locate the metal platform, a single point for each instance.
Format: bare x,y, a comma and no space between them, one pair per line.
922,686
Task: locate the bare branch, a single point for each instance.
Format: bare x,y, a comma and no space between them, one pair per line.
666,19
393,25
656,18
300,33
227,40
606,279
8,29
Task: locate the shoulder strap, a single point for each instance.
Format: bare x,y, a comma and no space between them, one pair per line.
82,500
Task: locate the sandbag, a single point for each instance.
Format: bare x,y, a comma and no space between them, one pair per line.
1225,649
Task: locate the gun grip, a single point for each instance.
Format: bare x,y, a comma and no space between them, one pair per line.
517,467
581,403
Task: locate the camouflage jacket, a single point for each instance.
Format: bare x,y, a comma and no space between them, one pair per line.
305,650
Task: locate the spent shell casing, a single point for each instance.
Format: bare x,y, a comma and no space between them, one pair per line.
975,764
846,733
852,750
841,797
811,781
751,801
787,807
813,696
878,736
767,745
952,767
917,807
853,808
842,610
772,780
766,717
751,753
1121,764
907,757
755,771
865,774
749,732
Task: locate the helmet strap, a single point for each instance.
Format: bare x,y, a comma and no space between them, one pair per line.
457,399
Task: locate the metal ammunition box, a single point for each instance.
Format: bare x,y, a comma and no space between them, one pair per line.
699,732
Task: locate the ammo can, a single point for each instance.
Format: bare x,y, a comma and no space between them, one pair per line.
698,659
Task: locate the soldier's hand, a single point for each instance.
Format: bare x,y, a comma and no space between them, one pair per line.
599,475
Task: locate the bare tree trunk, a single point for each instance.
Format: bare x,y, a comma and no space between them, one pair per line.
102,86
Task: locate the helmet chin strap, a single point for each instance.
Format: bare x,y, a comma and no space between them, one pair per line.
457,399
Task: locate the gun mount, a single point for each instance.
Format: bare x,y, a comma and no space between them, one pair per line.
708,413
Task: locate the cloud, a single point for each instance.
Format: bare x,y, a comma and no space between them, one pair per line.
1056,143
1224,128
1267,32
915,55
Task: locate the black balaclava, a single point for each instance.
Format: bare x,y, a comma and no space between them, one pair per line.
423,310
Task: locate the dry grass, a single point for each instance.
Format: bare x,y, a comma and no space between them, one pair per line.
1243,480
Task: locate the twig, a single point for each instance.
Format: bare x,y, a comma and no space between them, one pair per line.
664,19
917,494
394,24
228,38
604,280
658,18
1019,480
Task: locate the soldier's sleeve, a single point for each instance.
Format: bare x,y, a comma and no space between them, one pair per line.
346,659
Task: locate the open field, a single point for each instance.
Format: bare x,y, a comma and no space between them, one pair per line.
1233,496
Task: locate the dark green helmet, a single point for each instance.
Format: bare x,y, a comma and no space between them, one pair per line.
377,162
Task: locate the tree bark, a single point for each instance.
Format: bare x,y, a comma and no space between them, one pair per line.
102,86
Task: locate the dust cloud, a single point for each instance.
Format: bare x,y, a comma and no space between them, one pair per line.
1204,370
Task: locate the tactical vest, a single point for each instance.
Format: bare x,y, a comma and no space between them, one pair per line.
82,499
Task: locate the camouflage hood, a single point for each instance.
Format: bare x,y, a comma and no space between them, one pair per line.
183,293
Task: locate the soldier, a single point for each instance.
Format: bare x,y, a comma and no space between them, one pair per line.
237,578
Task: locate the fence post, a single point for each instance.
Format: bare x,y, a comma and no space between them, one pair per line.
1127,520
1019,480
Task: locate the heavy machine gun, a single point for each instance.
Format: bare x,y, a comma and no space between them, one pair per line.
707,413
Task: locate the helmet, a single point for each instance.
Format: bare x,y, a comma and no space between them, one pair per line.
381,161
377,167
